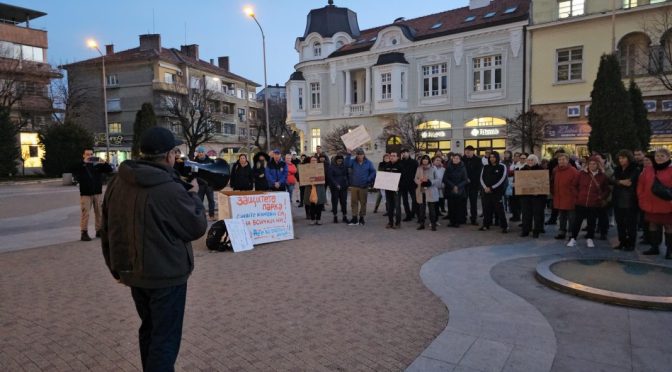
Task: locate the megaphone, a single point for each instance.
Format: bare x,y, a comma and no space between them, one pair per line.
216,174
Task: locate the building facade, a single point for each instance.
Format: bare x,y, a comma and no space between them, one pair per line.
25,77
462,70
158,75
567,39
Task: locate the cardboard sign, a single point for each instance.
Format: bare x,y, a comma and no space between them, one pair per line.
241,239
532,182
267,215
311,174
356,138
387,181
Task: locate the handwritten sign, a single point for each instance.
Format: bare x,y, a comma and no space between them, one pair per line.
387,181
311,174
356,138
267,215
241,239
532,182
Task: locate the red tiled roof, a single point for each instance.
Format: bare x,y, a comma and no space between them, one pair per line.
170,55
452,22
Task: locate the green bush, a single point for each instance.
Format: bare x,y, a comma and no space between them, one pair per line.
63,147
9,147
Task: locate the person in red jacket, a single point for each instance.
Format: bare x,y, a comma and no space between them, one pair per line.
591,188
658,212
563,193
291,175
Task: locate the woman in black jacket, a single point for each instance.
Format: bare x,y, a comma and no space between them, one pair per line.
259,171
241,174
532,206
455,180
494,182
624,200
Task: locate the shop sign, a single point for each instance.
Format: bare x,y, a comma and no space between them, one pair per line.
115,140
661,127
477,132
566,130
433,134
651,105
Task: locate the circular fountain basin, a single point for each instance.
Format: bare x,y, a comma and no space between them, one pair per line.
616,281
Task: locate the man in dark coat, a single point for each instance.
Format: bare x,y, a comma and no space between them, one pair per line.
407,183
494,180
150,217
89,174
337,178
393,198
203,189
474,165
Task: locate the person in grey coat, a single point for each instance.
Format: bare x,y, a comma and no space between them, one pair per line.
427,191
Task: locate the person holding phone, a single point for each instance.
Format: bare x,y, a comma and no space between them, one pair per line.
89,175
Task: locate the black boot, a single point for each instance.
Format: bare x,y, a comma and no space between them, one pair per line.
335,219
668,245
654,239
85,236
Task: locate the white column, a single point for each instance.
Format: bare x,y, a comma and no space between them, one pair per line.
348,88
367,86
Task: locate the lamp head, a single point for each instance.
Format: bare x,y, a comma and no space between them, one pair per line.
91,43
249,11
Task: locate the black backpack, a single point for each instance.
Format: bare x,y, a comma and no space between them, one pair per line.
218,238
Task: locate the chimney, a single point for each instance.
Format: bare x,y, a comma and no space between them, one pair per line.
109,49
224,63
212,61
475,4
191,50
150,41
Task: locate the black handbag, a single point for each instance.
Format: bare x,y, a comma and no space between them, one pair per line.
660,190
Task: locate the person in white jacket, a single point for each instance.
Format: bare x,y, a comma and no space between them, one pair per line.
427,191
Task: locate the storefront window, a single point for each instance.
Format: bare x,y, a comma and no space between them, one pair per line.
483,145
548,150
485,122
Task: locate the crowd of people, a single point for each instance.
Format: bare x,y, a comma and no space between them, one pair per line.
590,191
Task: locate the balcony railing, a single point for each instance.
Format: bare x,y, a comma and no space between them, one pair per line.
359,109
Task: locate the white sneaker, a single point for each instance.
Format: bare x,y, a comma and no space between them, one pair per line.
571,242
589,243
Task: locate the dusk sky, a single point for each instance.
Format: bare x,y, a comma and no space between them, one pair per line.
219,27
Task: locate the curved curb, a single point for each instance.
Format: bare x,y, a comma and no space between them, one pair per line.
489,328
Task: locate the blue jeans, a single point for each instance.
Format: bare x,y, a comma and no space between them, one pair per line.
290,190
161,311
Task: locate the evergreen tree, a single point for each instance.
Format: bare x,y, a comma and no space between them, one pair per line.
639,116
144,119
9,148
610,116
63,147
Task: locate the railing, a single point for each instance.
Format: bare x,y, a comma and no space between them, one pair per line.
359,109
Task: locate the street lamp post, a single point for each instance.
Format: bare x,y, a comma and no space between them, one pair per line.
94,45
250,12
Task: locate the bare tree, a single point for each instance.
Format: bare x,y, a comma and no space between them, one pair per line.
283,137
656,59
405,127
192,107
70,103
332,141
526,130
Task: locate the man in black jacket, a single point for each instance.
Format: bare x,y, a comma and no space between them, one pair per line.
474,165
203,189
393,198
337,179
150,217
407,184
89,174
494,179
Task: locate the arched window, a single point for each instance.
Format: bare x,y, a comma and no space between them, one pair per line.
485,122
317,49
394,140
633,52
339,44
434,124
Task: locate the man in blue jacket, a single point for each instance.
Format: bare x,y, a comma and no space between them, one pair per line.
362,175
276,172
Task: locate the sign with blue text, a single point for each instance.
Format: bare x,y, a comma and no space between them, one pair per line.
267,215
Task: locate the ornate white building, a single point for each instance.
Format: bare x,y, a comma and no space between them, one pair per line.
461,69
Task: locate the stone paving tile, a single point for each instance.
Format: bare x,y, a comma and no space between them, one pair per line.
337,298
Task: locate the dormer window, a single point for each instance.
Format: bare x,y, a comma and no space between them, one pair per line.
317,49
489,15
469,18
511,10
437,25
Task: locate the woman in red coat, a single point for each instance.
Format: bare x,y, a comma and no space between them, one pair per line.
563,193
658,212
591,188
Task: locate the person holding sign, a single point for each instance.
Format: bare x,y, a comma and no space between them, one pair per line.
393,198
362,176
314,198
532,205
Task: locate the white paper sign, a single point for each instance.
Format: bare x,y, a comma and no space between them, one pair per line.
387,181
241,238
268,215
356,138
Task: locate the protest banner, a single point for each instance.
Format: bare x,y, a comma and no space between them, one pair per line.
267,215
356,138
387,181
241,239
311,174
532,182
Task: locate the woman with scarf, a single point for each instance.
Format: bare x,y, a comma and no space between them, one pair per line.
591,188
427,191
658,212
314,198
259,171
